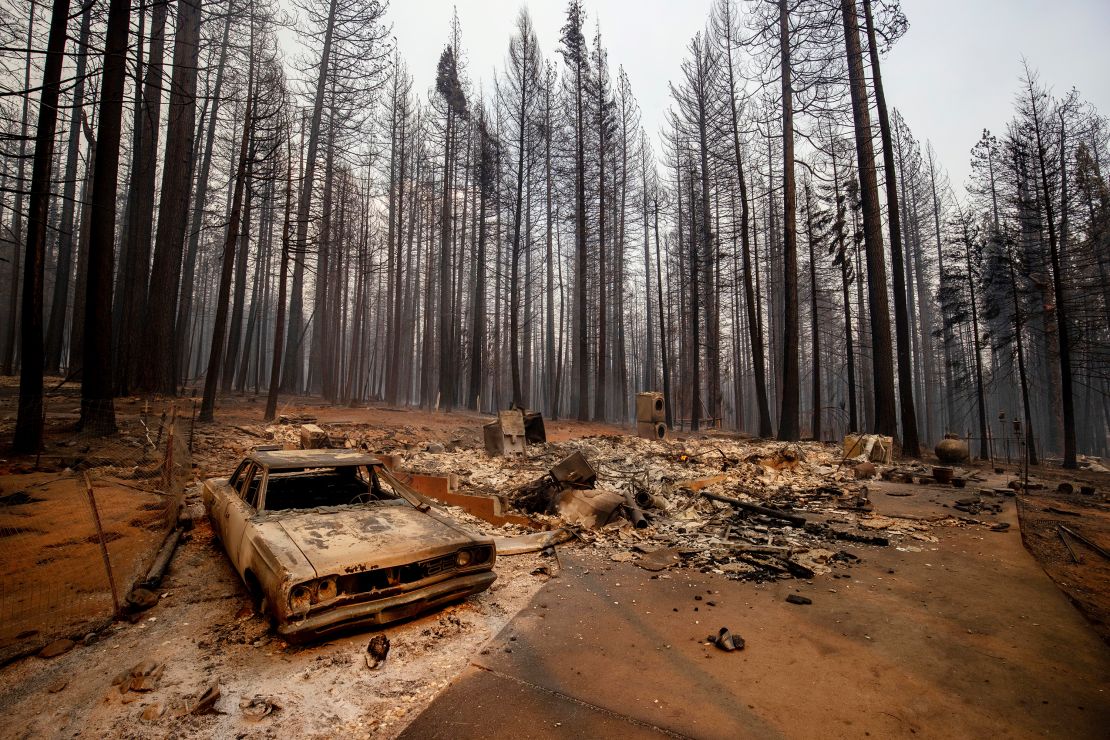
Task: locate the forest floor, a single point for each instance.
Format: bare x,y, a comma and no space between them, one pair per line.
580,630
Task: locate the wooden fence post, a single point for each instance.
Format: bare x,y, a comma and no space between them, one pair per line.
103,544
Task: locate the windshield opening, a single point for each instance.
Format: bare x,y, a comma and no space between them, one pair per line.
308,488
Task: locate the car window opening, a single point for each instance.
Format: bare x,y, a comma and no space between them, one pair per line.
308,488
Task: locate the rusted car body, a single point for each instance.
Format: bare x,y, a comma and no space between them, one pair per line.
328,540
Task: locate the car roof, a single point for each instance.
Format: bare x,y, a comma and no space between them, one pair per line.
284,459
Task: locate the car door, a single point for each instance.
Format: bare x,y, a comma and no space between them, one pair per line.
240,508
221,491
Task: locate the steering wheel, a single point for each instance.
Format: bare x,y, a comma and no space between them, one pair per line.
364,497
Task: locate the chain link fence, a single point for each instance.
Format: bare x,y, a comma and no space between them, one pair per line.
82,522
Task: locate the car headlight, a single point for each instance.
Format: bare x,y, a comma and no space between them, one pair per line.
463,558
300,597
326,589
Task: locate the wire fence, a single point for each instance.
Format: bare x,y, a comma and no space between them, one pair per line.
82,522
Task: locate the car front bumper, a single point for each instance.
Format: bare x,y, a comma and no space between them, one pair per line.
383,611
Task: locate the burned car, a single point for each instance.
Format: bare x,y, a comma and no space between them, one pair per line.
328,540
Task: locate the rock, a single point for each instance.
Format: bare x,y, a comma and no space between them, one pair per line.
865,470
207,701
56,648
434,447
658,560
153,711
376,651
797,599
141,599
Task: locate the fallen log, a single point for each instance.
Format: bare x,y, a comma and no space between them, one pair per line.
792,519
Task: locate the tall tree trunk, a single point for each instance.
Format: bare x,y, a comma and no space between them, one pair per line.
159,370
7,365
1067,401
28,425
755,328
581,353
291,374
550,392
446,221
518,214
601,388
976,342
788,417
814,324
910,445
235,330
200,200
694,378
98,414
886,421
648,382
136,269
55,330
478,303
215,351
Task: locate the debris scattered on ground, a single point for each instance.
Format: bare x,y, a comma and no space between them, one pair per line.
377,651
661,559
140,599
312,437
534,542
257,707
142,677
749,509
206,702
56,648
725,640
1104,553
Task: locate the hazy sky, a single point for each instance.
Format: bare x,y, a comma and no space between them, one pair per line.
954,73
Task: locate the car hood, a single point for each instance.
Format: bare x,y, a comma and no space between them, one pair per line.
349,539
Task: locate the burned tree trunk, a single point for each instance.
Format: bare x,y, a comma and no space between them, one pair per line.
28,425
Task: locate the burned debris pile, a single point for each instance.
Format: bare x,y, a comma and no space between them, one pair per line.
749,509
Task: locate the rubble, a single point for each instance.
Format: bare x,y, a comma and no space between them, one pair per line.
56,648
727,641
312,437
258,707
588,507
376,651
512,430
745,508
